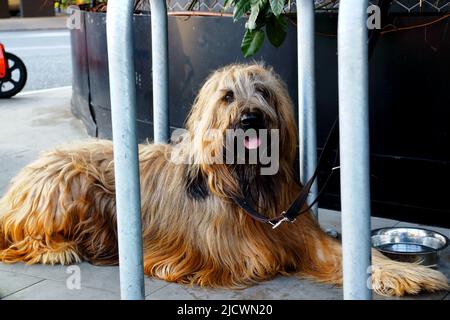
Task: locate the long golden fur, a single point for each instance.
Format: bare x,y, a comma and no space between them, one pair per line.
61,208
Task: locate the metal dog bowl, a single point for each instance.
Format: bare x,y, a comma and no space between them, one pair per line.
409,244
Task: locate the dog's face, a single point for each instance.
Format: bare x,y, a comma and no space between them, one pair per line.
247,98
250,104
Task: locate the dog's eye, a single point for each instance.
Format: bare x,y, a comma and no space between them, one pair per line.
263,92
229,96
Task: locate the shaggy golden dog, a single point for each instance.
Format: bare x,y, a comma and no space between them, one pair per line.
61,208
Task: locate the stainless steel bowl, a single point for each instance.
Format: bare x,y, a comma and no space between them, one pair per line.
409,244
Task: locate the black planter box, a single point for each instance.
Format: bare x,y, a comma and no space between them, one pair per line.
409,100
37,8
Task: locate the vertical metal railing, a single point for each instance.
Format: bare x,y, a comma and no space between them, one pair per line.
126,163
160,71
306,95
354,147
354,133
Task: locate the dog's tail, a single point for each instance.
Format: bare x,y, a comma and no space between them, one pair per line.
394,278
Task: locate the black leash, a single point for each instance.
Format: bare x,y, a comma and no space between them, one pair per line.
294,209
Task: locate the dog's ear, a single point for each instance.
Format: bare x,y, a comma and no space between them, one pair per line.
201,102
196,184
288,127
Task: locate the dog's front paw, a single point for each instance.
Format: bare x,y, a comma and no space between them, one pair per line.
392,278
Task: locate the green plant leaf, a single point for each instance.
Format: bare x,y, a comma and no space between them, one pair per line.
251,23
228,2
276,29
256,6
241,7
277,6
252,42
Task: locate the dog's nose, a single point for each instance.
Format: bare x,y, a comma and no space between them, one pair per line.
251,120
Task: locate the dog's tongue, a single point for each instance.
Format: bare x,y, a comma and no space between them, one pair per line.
252,142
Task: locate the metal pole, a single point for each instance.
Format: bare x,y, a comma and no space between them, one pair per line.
160,72
126,163
354,147
306,95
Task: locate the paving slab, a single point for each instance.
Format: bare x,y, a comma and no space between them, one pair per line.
107,278
11,282
58,290
97,277
282,288
32,123
422,296
332,219
171,292
49,272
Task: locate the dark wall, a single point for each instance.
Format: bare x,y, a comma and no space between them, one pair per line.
409,118
409,100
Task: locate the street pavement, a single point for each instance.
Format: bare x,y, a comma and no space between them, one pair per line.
46,54
31,123
38,23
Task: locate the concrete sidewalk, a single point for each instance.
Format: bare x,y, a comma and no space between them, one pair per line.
19,281
32,122
31,24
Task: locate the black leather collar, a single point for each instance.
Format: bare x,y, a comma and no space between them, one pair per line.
326,164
